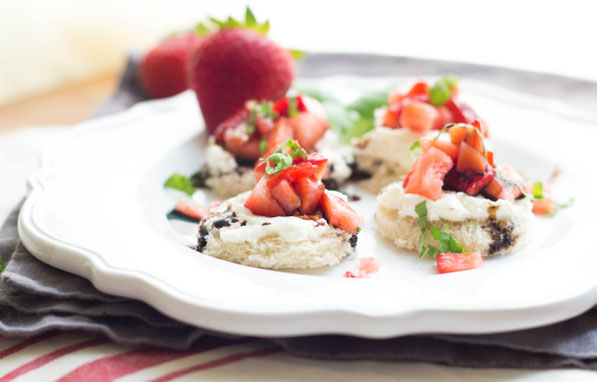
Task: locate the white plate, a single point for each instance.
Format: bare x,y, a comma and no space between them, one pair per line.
97,208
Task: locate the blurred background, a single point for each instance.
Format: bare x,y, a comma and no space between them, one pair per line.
51,44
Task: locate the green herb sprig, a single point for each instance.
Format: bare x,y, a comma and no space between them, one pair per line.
447,243
441,91
282,160
181,183
2,264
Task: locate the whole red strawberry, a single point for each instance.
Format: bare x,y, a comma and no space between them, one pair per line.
234,65
163,71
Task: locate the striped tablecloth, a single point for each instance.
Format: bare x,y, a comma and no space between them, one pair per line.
75,356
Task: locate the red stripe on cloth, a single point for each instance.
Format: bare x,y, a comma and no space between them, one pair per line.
28,342
219,362
109,368
47,358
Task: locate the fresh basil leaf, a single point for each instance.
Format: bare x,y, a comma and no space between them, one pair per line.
538,190
439,94
455,247
421,210
441,91
181,183
280,161
294,148
417,145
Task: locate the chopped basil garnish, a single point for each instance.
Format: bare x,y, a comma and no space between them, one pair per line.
447,243
280,161
2,264
538,190
414,154
282,158
441,91
263,109
181,183
294,148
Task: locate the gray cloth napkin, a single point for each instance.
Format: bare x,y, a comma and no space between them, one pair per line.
35,297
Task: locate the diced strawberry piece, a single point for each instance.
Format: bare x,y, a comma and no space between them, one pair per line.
248,150
367,266
189,208
470,160
310,193
308,128
461,112
427,175
494,188
350,275
482,126
261,201
408,89
338,213
320,162
241,117
281,106
469,183
280,134
478,182
475,140
490,158
444,117
259,170
294,173
391,117
458,134
511,174
543,206
456,262
286,196
448,148
509,192
468,112
264,125
418,116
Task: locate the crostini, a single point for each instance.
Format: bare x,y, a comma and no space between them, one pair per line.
455,187
415,110
289,220
255,131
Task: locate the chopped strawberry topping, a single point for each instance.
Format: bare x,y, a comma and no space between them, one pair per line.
262,202
289,184
427,176
190,208
456,262
367,266
339,213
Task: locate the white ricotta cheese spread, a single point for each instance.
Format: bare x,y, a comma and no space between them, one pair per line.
453,206
288,228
